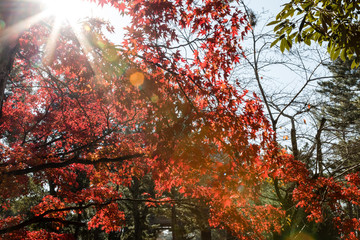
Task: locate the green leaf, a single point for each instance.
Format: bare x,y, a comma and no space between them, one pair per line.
288,44
343,55
354,64
335,53
282,44
274,42
277,27
273,22
293,35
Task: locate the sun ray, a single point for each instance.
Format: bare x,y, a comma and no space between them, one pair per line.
70,12
62,12
13,32
51,42
86,46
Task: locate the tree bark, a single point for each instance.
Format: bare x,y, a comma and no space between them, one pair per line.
319,157
7,57
138,225
206,234
206,229
12,13
174,227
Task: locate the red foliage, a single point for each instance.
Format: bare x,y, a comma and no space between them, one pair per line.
81,122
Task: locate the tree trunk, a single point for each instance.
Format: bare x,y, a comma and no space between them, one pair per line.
136,213
174,227
206,230
206,234
7,56
319,157
14,15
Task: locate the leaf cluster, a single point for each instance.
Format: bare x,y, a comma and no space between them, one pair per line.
335,22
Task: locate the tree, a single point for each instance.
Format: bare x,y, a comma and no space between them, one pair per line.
342,91
300,129
341,105
86,117
83,120
325,21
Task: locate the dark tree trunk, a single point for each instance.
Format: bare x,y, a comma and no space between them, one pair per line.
319,156
174,226
7,56
136,211
206,234
206,230
12,13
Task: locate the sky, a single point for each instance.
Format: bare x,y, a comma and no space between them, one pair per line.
270,7
284,82
273,6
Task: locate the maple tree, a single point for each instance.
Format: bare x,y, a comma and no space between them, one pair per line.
83,119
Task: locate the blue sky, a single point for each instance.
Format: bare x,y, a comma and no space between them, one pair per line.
270,7
273,6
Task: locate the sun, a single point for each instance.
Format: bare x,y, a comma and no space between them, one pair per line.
69,10
69,13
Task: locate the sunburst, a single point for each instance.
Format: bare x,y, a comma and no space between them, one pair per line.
57,13
70,10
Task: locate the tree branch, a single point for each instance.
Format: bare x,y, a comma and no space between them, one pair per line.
71,161
41,218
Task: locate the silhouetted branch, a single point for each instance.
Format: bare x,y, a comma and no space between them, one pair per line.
71,161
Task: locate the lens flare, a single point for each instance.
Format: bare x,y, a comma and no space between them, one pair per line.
137,79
